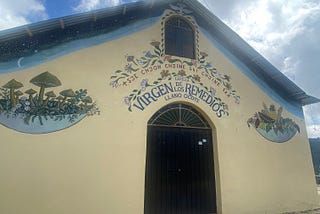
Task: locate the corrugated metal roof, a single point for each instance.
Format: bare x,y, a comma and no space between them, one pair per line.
221,32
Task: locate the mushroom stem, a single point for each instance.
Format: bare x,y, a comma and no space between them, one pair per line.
12,85
12,98
40,99
31,100
46,101
49,95
59,99
63,102
16,99
44,80
17,94
66,93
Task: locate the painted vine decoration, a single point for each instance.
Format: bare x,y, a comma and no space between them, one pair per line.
223,79
156,56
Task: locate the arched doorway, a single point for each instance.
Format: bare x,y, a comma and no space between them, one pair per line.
179,165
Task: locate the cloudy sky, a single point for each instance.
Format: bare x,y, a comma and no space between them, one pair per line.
286,32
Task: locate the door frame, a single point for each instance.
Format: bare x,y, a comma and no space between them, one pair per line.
215,151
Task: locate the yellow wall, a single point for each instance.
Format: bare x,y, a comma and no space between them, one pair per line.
98,165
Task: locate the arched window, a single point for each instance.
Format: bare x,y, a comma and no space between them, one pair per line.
178,115
179,38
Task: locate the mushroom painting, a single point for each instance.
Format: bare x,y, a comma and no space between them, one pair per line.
45,80
12,85
271,125
37,111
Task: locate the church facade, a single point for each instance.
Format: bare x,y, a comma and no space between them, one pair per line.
148,108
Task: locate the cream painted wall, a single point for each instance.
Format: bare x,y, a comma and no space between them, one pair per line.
98,165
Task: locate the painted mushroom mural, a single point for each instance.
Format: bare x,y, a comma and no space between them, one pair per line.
270,124
12,85
43,112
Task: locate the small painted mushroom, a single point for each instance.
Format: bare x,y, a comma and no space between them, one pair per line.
67,94
45,80
17,95
13,85
59,98
31,92
70,100
49,95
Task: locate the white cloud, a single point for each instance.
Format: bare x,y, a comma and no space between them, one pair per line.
19,12
312,119
313,131
87,5
312,114
290,66
269,25
272,26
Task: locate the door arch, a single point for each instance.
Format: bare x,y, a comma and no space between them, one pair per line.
179,163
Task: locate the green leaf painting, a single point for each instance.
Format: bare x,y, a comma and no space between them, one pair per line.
156,57
270,124
41,110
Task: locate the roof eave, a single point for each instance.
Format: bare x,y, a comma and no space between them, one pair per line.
71,20
308,100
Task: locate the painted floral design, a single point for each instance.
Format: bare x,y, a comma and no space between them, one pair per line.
203,54
40,106
271,125
237,101
182,73
129,68
165,74
227,78
196,78
222,79
157,56
144,84
213,91
130,58
127,101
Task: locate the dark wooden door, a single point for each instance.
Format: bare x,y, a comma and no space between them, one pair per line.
179,171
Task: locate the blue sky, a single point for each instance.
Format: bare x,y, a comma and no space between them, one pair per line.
58,8
285,32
